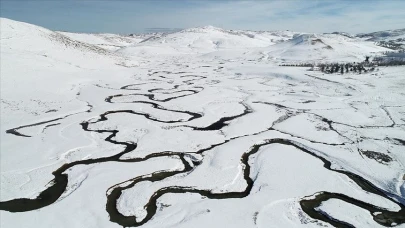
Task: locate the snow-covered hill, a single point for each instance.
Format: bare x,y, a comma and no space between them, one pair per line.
322,48
393,39
383,35
27,39
105,40
284,46
206,39
40,65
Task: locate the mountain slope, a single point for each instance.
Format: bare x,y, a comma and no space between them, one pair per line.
393,39
41,70
104,40
206,39
284,46
325,47
20,36
383,35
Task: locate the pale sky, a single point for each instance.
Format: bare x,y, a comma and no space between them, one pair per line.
140,16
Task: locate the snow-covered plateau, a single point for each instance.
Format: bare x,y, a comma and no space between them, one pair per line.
204,127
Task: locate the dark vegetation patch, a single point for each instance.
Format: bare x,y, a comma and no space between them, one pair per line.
379,157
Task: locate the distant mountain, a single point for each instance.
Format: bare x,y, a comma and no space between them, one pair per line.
383,35
282,46
343,34
206,39
105,40
393,39
322,48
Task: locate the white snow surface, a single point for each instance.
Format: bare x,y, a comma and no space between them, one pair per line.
199,99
